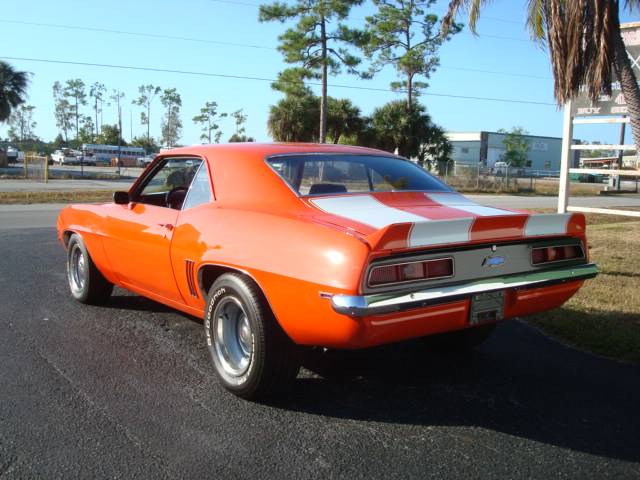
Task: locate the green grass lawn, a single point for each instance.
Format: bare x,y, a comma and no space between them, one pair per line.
54,196
604,316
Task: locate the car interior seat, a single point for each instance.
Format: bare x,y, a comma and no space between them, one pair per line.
321,188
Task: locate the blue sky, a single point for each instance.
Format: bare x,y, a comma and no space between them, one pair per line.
503,46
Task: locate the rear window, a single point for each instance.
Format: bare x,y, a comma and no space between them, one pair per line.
335,174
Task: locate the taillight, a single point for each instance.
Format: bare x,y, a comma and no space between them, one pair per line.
556,253
410,272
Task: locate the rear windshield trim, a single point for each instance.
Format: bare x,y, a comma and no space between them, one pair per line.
267,159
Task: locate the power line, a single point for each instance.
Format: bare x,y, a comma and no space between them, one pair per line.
218,42
256,5
480,36
138,34
248,4
503,20
495,72
262,79
190,39
231,2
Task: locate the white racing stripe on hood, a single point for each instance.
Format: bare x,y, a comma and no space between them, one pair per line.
440,232
366,209
460,202
547,224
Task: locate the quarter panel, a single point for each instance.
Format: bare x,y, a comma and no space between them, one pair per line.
292,260
88,221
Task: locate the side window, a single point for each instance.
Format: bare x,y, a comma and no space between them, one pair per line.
200,190
168,185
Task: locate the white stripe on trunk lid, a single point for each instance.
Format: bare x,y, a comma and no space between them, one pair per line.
440,232
547,224
366,209
460,202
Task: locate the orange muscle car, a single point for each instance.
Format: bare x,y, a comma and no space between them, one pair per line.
281,247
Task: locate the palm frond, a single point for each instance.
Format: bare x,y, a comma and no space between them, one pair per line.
580,38
536,20
472,7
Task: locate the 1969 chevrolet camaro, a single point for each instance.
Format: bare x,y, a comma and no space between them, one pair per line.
286,246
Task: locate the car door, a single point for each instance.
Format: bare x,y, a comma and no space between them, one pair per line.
193,232
138,235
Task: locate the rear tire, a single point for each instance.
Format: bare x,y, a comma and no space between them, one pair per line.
86,283
461,340
251,354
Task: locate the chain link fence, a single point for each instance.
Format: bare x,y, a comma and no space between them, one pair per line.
503,178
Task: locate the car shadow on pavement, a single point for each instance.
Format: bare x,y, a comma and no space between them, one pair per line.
519,383
137,303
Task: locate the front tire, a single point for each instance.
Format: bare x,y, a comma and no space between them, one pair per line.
252,356
86,283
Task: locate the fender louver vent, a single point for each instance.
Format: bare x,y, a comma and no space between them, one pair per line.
190,267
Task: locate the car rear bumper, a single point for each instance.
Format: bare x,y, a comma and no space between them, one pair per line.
378,304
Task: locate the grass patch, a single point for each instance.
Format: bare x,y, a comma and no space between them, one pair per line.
53,196
596,218
604,316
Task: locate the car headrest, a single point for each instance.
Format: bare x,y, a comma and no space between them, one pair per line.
176,199
319,188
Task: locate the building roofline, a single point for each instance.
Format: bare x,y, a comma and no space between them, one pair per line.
501,133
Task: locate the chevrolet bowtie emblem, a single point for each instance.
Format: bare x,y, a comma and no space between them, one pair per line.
493,261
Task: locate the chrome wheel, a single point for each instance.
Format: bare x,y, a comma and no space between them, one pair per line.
233,337
77,268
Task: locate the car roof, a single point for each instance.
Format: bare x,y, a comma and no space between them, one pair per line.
261,150
247,181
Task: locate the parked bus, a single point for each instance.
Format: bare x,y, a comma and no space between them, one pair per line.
108,154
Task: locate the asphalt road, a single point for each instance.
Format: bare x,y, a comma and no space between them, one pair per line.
29,216
127,391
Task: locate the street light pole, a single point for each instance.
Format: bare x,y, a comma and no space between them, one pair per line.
119,129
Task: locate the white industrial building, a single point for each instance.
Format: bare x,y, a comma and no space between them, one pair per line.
487,148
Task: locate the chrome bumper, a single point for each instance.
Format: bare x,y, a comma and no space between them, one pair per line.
375,304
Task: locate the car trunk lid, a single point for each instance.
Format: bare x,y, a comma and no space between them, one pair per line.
416,220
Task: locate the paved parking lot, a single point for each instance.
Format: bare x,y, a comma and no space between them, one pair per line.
127,391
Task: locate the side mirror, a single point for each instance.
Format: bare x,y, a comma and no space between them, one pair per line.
121,198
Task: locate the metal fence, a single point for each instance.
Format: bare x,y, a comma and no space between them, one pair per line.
36,167
500,177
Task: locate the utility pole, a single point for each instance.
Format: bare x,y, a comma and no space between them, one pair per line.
117,97
620,154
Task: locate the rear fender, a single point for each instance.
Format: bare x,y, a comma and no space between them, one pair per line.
86,223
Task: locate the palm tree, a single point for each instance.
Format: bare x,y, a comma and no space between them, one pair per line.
294,119
343,120
13,89
585,44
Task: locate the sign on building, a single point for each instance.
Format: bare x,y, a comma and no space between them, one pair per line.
540,146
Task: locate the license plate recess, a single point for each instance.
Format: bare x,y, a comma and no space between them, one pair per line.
486,307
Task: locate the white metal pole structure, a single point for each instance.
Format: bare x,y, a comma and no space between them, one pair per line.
565,158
